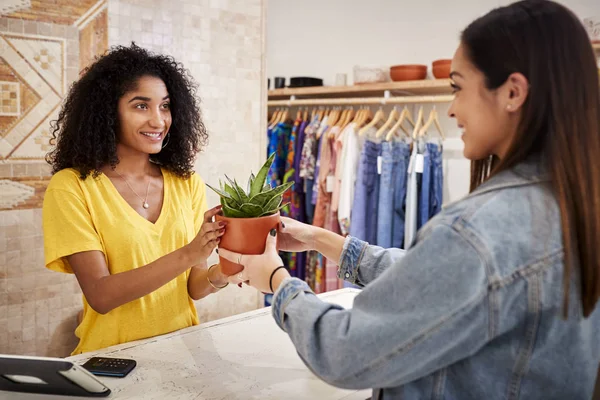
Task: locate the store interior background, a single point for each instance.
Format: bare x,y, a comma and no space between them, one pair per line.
230,47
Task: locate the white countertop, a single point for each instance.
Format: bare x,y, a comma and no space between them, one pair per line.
245,356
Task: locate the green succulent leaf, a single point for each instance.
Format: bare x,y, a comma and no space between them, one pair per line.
231,212
220,192
249,186
266,188
261,177
234,195
251,210
273,203
243,195
271,212
265,197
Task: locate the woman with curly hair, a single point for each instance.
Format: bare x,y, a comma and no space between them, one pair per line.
124,210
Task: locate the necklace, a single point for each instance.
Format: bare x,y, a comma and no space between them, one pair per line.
144,200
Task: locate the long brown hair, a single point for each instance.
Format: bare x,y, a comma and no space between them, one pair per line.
560,120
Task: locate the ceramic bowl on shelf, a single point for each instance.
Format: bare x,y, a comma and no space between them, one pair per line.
411,72
363,74
441,69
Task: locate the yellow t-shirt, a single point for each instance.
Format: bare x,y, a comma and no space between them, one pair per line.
82,215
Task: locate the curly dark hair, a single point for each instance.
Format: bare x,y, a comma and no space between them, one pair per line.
86,131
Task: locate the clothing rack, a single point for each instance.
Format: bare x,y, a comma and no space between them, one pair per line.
361,101
407,92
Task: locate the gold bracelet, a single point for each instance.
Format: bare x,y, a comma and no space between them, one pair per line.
211,284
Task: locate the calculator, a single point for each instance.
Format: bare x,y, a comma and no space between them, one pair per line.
115,367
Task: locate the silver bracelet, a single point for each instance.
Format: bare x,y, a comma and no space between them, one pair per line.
211,284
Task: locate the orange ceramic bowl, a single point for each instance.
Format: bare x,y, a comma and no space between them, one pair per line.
408,72
441,71
441,62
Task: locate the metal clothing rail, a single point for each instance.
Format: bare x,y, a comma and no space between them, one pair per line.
361,101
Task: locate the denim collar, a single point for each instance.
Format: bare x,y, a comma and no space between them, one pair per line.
532,170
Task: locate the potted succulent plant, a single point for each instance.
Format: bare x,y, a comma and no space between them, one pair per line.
250,214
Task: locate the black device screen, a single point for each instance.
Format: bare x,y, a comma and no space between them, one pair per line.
103,366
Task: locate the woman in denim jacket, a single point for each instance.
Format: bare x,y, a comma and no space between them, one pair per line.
497,297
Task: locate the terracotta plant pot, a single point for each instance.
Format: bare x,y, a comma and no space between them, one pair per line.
245,236
408,72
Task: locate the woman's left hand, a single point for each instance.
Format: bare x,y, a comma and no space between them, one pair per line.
258,268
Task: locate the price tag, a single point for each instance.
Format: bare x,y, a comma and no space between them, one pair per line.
420,164
330,183
379,164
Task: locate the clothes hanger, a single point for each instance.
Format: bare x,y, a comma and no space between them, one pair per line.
368,115
329,114
391,119
404,116
418,124
379,115
433,119
338,123
321,114
270,120
349,118
305,114
284,116
275,118
335,118
344,121
298,114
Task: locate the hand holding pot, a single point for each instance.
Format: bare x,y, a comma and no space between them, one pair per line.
258,269
208,238
295,236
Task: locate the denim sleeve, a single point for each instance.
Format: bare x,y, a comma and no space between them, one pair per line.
361,263
425,311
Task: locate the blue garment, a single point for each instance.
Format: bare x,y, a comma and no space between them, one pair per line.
437,187
363,221
431,191
278,144
387,180
425,189
399,215
308,204
472,311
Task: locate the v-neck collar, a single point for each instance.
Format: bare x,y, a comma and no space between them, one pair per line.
130,210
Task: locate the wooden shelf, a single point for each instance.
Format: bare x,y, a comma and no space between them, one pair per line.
596,47
408,88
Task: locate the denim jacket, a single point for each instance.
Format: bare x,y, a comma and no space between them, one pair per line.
472,311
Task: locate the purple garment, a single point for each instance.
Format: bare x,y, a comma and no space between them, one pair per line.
315,189
298,208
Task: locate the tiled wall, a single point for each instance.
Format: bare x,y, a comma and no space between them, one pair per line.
39,59
221,42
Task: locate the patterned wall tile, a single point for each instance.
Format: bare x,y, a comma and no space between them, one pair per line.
10,101
37,64
13,193
64,12
11,6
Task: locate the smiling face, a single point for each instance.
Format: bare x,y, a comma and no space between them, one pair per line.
485,116
144,117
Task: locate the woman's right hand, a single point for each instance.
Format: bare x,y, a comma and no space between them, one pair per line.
207,240
296,236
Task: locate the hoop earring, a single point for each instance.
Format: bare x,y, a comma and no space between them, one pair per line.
167,141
